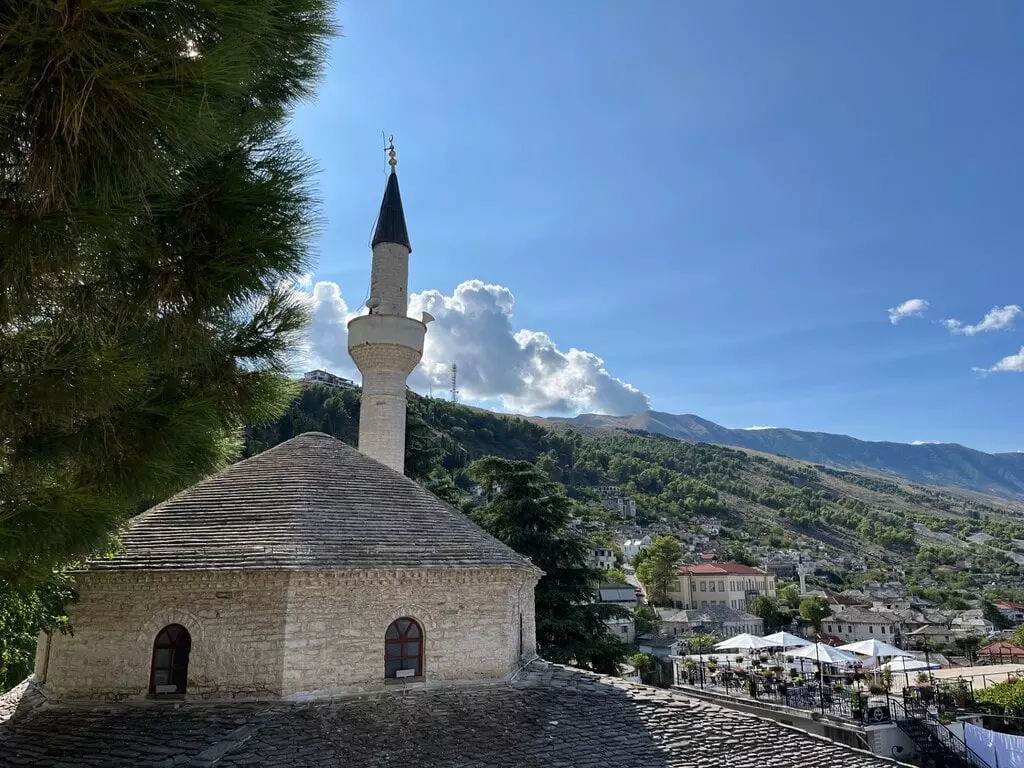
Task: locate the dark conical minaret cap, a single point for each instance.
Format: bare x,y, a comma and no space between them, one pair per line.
391,219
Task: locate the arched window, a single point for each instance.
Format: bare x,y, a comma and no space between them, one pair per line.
403,649
169,673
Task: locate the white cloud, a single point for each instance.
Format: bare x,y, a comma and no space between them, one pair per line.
1012,363
523,370
755,428
909,308
997,319
924,442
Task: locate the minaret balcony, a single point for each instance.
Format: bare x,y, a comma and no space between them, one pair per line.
386,329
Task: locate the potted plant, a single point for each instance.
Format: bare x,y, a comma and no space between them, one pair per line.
876,689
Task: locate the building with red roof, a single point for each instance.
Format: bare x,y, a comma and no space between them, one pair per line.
731,584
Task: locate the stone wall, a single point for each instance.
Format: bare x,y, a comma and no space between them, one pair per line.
272,634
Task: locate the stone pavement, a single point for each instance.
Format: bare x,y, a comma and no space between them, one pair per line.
549,717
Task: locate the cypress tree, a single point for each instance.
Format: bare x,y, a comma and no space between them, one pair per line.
154,216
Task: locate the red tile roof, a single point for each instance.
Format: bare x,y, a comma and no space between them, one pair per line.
1001,648
721,568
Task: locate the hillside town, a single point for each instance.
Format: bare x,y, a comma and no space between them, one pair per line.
276,493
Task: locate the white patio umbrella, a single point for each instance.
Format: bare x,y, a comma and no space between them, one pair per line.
744,642
907,664
872,648
825,654
785,640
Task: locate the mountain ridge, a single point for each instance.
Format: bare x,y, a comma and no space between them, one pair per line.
943,464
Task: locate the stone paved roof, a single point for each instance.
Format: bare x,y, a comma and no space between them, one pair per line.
310,502
551,717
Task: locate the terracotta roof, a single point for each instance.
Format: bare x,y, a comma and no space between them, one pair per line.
312,502
1001,648
713,569
550,717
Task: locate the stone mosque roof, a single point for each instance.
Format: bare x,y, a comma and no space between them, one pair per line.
547,717
312,502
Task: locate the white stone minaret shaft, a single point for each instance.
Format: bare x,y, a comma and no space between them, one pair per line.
385,344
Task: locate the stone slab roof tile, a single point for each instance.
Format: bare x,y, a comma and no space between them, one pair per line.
549,717
312,502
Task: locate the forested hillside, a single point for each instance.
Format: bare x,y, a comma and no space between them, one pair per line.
948,464
761,501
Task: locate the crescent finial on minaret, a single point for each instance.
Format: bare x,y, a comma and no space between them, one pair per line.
392,158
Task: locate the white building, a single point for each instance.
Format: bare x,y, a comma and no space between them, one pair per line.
852,623
600,557
631,547
328,378
730,584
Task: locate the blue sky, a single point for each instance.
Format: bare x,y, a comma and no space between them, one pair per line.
720,199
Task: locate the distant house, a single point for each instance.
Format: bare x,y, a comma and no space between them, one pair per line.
1012,611
600,557
730,584
328,378
937,634
973,621
714,619
852,623
618,593
658,644
624,596
709,525
782,569
1001,652
631,547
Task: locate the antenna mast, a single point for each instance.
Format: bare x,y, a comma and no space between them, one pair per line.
455,388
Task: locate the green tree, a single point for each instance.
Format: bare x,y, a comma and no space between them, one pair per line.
25,611
1009,694
645,619
789,595
659,567
154,218
1018,637
768,610
530,514
642,662
993,614
968,646
815,609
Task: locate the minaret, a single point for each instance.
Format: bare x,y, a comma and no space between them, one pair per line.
386,344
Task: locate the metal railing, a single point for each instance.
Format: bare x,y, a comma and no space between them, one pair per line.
850,705
914,719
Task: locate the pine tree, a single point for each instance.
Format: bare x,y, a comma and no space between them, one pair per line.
530,514
153,217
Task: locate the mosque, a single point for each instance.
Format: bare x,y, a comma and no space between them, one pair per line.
312,606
